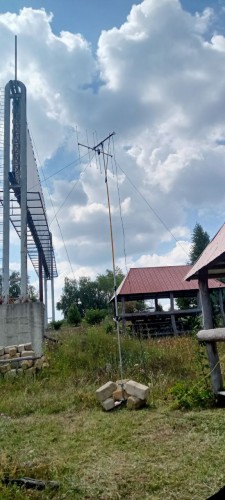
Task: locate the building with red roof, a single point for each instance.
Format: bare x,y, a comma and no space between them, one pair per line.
154,283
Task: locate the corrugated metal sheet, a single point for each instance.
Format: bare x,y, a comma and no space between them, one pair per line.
150,280
214,250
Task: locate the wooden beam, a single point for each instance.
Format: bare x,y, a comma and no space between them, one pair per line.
205,299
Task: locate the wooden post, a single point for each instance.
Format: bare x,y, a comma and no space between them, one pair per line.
220,291
214,363
156,303
211,347
123,315
205,299
173,321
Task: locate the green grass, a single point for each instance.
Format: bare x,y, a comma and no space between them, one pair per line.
53,428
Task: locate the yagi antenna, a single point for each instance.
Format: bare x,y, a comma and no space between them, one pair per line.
16,57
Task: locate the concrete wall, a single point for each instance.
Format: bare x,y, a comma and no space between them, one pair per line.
22,323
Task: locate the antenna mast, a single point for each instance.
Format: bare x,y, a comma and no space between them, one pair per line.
15,57
99,148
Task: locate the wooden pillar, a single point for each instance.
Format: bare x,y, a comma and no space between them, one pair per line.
220,292
123,315
205,299
211,347
173,321
156,304
214,364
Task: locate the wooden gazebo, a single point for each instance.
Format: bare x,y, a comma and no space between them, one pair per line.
154,283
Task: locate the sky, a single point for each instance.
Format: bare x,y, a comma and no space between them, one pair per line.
152,71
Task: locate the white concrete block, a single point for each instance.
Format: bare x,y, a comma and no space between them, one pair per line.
136,389
108,404
20,348
24,354
12,352
106,391
2,351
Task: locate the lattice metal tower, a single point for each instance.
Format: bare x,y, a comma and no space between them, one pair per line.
22,198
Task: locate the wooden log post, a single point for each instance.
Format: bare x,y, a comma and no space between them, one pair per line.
173,321
220,291
210,337
211,347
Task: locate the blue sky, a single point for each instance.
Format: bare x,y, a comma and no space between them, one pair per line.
158,81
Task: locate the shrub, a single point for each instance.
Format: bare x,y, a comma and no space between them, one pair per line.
56,325
95,316
197,396
73,315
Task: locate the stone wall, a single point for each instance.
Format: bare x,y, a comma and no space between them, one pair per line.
16,360
22,323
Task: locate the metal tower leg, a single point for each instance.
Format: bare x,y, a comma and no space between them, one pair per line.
5,273
23,186
46,301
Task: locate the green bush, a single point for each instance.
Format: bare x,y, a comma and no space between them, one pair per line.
186,397
73,316
56,325
95,316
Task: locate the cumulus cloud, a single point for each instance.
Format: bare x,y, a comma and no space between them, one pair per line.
158,80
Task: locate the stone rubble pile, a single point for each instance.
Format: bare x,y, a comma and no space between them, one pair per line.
13,362
111,394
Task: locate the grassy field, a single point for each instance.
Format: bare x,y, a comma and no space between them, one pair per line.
53,428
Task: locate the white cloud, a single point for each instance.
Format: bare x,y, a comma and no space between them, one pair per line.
158,80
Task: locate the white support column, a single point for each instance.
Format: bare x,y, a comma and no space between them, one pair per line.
5,271
23,190
52,281
46,301
123,315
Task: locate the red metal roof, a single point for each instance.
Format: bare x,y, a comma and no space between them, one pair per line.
214,250
156,280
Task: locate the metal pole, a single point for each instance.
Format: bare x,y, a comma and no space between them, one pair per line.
46,301
16,57
5,271
52,281
23,190
114,269
40,274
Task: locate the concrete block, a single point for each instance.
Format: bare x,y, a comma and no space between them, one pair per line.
6,356
134,403
2,351
25,364
10,375
2,357
5,368
106,391
28,346
12,352
30,372
136,389
24,354
7,348
22,323
20,348
38,364
108,404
